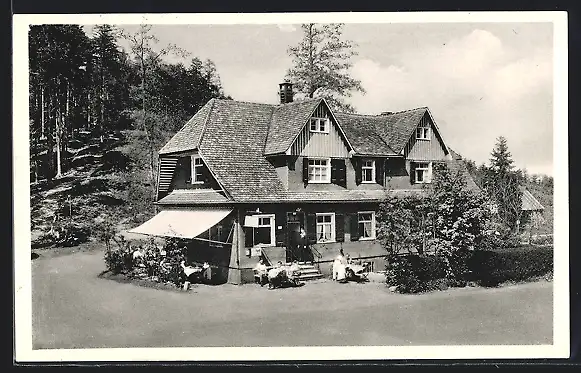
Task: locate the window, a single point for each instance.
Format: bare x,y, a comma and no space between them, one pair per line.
423,133
366,225
368,171
197,166
423,172
319,170
264,232
326,227
320,125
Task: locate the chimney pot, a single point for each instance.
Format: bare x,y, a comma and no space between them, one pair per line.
285,92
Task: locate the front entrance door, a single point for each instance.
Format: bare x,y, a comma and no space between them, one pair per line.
296,248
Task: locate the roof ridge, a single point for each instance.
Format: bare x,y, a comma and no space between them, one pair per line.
382,115
244,102
205,126
299,102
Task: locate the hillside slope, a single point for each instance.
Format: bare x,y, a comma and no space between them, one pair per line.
105,182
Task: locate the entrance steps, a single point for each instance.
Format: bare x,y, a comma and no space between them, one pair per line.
309,272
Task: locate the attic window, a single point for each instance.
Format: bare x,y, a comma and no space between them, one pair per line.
197,170
423,133
319,170
320,125
368,171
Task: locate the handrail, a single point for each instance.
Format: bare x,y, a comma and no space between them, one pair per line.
317,254
263,253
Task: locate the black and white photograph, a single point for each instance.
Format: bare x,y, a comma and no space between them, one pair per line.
297,186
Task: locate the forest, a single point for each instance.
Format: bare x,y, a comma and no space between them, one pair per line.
98,113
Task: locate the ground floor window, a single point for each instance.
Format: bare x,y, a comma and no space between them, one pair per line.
326,227
366,225
423,172
263,231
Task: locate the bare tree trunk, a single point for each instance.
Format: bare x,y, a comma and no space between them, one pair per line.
58,143
88,110
42,137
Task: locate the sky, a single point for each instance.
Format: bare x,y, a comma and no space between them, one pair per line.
479,80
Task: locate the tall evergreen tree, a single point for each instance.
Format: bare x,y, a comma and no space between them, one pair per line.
501,160
321,63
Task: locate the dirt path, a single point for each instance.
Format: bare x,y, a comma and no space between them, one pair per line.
72,308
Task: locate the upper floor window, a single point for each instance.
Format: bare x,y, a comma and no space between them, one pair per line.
423,133
197,170
326,227
320,125
366,225
319,170
368,171
423,172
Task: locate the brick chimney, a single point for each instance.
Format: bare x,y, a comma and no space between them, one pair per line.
285,91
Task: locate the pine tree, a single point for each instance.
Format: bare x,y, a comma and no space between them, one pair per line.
501,160
321,63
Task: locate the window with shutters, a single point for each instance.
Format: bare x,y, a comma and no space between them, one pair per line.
325,227
319,170
368,171
197,170
320,125
422,172
366,225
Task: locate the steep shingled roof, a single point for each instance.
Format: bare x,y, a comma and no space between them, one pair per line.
188,137
361,130
529,202
385,134
232,146
287,121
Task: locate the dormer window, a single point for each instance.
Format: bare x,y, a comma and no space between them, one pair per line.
319,170
320,125
423,133
368,171
197,170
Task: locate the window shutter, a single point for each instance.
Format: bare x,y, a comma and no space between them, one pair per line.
334,171
311,228
354,220
339,227
379,173
412,172
280,234
306,170
338,172
429,178
357,166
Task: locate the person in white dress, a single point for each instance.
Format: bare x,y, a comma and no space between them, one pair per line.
339,267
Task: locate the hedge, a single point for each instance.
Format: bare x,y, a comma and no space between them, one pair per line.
493,267
413,273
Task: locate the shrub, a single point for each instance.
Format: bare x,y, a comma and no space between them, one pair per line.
491,268
415,274
158,264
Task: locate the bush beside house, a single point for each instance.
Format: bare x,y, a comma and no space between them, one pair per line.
448,238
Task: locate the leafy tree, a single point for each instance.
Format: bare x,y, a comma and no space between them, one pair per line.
321,63
148,58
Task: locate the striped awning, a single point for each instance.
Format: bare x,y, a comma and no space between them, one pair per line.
184,223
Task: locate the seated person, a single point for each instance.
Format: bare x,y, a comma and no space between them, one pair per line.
260,273
276,275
